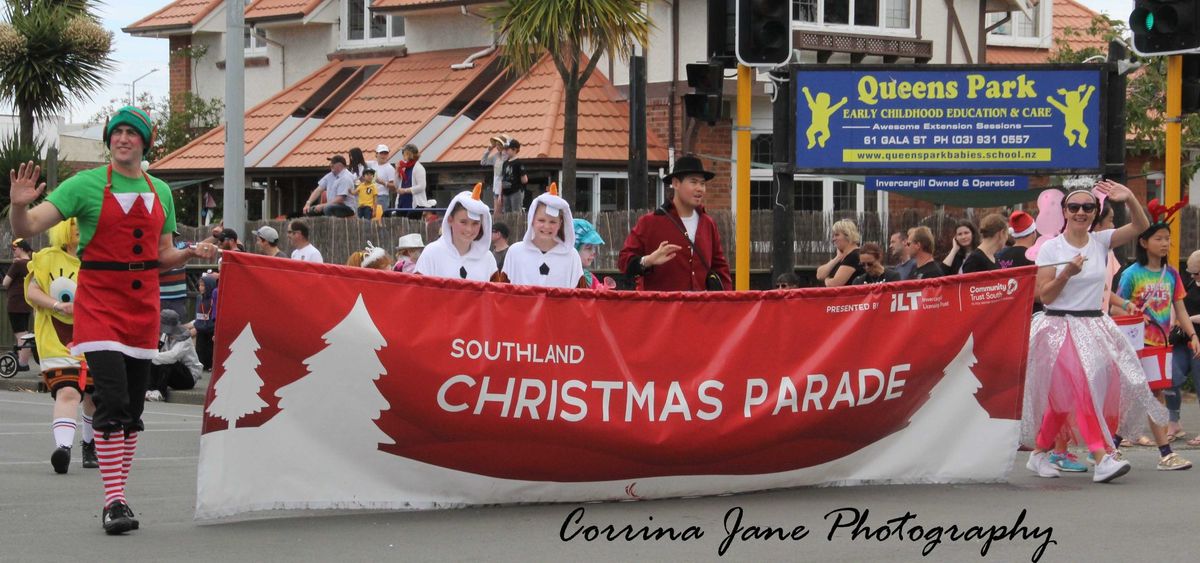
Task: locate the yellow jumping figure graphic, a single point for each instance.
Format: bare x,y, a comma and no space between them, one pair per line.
1072,106
818,131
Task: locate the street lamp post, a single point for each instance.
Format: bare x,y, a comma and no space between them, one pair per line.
133,86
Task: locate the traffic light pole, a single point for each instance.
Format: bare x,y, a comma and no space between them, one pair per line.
742,250
1174,161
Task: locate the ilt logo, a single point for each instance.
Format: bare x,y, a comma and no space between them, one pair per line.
906,301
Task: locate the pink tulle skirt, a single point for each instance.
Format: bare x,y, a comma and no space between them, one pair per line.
1104,374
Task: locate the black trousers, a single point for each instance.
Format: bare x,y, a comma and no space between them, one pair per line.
171,376
120,390
204,349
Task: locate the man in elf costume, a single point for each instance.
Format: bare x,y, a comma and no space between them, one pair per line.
50,290
126,218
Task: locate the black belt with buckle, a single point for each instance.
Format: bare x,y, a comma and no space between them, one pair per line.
119,266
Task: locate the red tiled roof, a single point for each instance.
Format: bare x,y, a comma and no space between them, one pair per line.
1067,14
390,107
276,9
531,111
177,14
398,5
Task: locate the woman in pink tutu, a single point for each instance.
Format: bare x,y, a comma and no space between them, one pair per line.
1080,367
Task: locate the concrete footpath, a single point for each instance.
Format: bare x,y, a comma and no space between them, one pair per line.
1145,515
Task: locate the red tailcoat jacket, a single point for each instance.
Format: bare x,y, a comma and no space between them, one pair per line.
686,271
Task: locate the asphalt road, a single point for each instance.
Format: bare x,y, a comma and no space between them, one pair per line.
46,517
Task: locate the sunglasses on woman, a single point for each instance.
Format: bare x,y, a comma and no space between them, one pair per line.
1086,207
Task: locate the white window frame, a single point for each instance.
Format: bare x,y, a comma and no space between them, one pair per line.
596,177
258,43
1044,38
367,40
819,25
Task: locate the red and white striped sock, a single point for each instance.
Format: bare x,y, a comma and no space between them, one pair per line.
127,459
111,453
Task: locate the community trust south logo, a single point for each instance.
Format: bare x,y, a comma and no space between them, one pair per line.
990,293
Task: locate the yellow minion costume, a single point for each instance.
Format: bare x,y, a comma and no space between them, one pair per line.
55,271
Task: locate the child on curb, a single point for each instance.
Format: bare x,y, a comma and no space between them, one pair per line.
408,250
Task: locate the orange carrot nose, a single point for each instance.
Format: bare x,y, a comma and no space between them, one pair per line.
476,191
553,188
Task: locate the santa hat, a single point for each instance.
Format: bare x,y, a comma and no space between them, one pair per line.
1022,224
555,207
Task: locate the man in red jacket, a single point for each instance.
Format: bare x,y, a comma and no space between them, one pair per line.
678,247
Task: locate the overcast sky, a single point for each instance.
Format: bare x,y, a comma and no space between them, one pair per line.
136,56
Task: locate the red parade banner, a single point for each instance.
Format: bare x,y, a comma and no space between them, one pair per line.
399,391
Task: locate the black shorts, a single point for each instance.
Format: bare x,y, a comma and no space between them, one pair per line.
19,322
57,378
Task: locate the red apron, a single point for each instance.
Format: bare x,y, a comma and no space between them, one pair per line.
116,301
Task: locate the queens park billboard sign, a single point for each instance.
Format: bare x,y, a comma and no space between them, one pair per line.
949,119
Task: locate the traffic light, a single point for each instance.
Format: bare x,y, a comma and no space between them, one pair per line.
764,32
1165,27
705,102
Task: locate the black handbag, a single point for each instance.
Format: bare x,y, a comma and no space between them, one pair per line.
1178,337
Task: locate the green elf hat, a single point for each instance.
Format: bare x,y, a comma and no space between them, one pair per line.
137,119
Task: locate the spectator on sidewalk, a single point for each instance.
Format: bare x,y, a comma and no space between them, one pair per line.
871,255
993,233
365,191
494,158
546,256
336,185
678,246
966,239
18,309
787,280
900,258
177,365
500,243
385,177
513,179
227,240
408,251
357,164
172,284
301,249
372,257
846,263
461,252
267,240
920,245
205,324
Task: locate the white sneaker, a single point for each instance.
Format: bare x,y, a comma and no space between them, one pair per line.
1040,463
1110,468
154,395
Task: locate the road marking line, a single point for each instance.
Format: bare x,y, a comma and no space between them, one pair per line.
143,412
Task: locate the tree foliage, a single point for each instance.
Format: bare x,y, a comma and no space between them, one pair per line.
531,29
52,54
1146,95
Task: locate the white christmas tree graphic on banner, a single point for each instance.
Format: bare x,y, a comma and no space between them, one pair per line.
236,393
338,402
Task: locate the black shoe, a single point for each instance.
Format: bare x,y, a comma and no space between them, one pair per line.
89,455
118,519
61,459
129,512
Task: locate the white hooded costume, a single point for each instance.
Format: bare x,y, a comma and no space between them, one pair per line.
441,259
526,264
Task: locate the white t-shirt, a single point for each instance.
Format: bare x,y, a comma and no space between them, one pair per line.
691,224
308,254
384,173
1084,290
